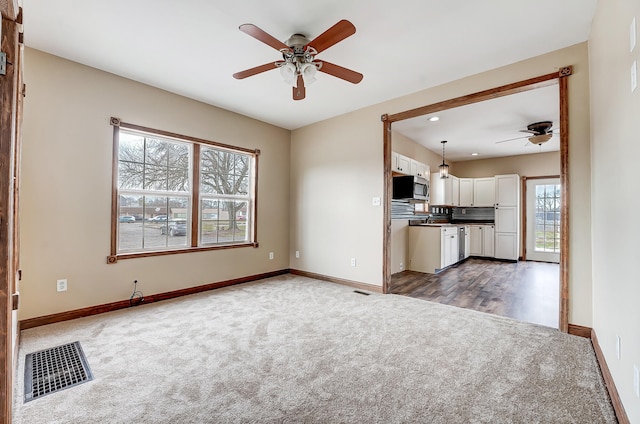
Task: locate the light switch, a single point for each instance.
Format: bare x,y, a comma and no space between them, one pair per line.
634,75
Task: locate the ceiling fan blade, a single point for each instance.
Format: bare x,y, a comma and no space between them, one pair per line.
512,139
299,92
340,72
529,131
254,71
260,35
333,35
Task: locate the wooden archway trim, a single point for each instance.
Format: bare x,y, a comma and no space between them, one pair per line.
493,93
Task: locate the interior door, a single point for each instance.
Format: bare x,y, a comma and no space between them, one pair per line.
543,220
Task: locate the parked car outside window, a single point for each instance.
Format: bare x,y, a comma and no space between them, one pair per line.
127,218
176,227
159,218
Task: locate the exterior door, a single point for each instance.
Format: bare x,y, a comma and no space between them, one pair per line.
543,220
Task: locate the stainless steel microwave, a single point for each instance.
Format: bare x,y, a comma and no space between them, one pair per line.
410,187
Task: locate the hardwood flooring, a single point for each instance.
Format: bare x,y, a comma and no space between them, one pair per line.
526,291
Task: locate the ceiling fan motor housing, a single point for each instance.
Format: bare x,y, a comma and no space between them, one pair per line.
540,128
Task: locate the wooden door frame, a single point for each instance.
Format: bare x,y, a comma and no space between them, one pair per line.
9,155
559,78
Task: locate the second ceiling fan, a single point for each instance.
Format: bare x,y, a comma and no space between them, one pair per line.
299,64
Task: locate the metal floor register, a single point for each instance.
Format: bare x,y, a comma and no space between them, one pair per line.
51,370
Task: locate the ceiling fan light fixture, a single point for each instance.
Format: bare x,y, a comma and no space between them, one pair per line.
308,72
288,73
540,138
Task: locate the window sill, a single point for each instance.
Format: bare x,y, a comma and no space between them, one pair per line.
121,256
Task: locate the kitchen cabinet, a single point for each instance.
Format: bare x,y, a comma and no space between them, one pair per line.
455,190
481,240
400,163
442,190
465,192
506,246
420,169
432,248
506,218
484,190
507,190
449,246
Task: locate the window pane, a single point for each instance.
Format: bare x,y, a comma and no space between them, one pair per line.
209,212
130,221
131,148
156,152
130,175
155,177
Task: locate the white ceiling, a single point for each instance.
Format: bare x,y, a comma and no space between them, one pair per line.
192,47
484,127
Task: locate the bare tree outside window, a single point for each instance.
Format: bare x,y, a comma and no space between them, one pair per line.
155,193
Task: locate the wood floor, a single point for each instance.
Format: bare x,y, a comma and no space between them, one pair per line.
526,291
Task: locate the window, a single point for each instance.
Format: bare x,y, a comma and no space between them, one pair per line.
547,225
175,193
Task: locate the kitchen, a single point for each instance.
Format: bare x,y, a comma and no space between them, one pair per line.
475,217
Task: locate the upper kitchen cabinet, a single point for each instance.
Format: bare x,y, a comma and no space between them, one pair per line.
400,163
455,190
442,190
420,169
484,191
507,189
466,192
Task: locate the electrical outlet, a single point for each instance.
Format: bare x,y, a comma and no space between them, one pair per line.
270,255
353,261
297,253
61,285
375,201
401,266
618,347
636,380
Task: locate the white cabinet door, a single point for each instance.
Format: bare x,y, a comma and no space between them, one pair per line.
506,219
476,240
419,169
506,246
441,190
455,190
507,190
484,191
449,245
466,192
400,163
488,241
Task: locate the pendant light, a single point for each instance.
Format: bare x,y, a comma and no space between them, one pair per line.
444,168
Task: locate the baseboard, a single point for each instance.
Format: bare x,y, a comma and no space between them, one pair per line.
363,286
579,330
621,414
108,307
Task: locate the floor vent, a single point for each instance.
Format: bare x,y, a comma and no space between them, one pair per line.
55,369
361,292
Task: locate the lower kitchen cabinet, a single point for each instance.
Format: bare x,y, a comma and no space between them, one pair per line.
481,240
506,246
432,248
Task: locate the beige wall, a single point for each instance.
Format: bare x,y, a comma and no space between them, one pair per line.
66,188
323,157
410,148
533,165
615,196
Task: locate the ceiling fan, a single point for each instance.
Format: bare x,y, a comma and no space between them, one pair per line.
541,133
299,64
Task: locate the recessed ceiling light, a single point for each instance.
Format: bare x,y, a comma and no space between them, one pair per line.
434,119
474,154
